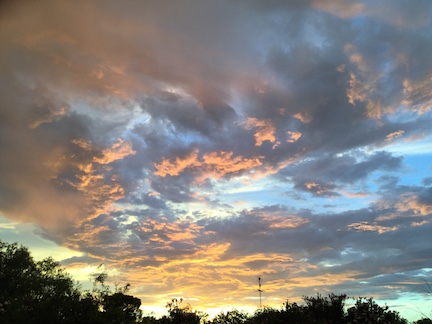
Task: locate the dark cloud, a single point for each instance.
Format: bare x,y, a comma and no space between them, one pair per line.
317,189
427,181
324,175
425,197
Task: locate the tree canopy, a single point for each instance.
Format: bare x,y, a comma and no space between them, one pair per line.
42,292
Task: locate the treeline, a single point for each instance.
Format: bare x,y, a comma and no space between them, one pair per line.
42,292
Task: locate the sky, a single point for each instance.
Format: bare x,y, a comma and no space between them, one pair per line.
193,146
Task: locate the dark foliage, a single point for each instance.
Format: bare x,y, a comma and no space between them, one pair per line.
182,315
424,321
328,310
42,292
320,310
367,311
233,317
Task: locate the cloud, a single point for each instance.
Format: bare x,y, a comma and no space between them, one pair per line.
356,92
318,189
417,95
265,130
194,143
394,135
364,226
294,136
416,224
390,11
419,205
340,8
223,163
118,151
303,117
167,168
212,165
333,176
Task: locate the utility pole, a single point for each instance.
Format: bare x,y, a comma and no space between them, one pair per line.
260,291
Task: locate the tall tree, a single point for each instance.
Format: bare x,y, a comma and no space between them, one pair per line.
33,292
42,292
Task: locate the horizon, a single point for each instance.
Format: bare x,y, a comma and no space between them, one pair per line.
192,147
92,287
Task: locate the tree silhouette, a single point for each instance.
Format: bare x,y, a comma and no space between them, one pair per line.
233,317
42,292
182,315
366,310
33,292
325,309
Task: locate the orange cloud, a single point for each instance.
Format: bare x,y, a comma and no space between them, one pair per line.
317,188
266,130
394,135
165,232
289,221
356,91
373,110
366,227
100,193
294,136
49,117
418,224
210,265
356,58
410,202
266,170
341,68
211,165
86,145
356,194
219,164
363,84
153,193
417,95
281,219
303,116
220,271
174,169
89,191
118,151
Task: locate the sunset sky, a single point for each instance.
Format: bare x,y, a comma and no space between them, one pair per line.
192,146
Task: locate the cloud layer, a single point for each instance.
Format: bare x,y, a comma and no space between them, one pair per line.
194,146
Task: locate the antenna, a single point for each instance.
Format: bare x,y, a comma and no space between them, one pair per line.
260,291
